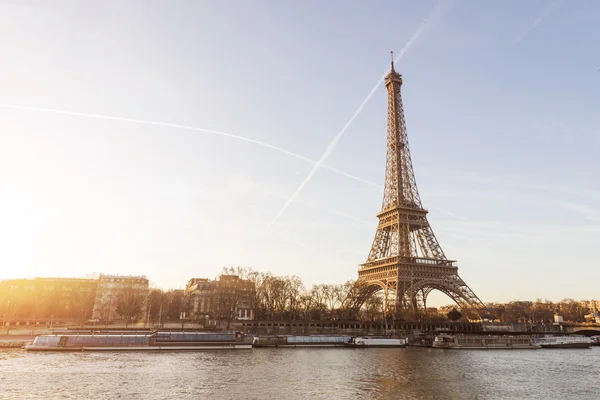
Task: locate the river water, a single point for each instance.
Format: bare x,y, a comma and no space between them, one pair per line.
411,373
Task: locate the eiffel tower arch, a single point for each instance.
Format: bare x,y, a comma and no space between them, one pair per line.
406,260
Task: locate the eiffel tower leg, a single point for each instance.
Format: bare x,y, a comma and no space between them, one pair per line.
414,300
360,293
422,299
386,307
464,298
406,300
470,298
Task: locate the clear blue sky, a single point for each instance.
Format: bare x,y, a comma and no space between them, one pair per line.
502,101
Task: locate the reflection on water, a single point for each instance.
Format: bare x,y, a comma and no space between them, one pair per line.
412,373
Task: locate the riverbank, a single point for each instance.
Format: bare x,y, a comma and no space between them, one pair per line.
15,341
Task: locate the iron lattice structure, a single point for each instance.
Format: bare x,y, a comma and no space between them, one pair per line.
406,259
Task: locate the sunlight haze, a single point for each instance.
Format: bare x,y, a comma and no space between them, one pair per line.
502,107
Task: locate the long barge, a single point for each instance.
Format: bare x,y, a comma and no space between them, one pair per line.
286,341
363,342
484,342
564,342
157,341
292,341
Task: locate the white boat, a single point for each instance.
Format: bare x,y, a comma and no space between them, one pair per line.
564,342
373,341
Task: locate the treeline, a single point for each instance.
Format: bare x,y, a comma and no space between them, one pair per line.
166,306
286,298
153,305
541,311
269,297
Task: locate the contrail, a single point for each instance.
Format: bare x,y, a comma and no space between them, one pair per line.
538,21
189,128
334,212
435,14
451,214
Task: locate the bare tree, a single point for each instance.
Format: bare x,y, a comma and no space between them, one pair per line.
8,310
295,291
130,303
306,306
280,292
81,304
233,291
334,298
156,305
346,296
319,297
374,308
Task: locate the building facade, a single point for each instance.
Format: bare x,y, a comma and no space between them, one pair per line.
200,292
47,298
234,297
229,297
112,288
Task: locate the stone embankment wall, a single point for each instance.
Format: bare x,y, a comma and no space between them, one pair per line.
351,327
16,344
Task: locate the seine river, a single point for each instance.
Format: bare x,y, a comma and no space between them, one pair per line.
411,373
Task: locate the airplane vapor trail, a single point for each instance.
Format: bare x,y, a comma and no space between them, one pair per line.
538,21
189,128
433,16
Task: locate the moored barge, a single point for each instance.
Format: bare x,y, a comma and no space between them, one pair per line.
482,342
300,341
157,341
564,342
363,342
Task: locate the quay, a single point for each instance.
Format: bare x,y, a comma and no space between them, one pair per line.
15,341
353,328
13,344
356,328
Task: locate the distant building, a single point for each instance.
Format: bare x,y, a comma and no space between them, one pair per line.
593,318
201,293
47,298
234,295
592,305
229,296
109,287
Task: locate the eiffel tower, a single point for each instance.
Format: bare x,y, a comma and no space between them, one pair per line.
406,259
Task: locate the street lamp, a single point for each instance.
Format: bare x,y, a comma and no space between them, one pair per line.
182,318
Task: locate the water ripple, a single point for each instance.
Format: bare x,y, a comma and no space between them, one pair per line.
413,373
